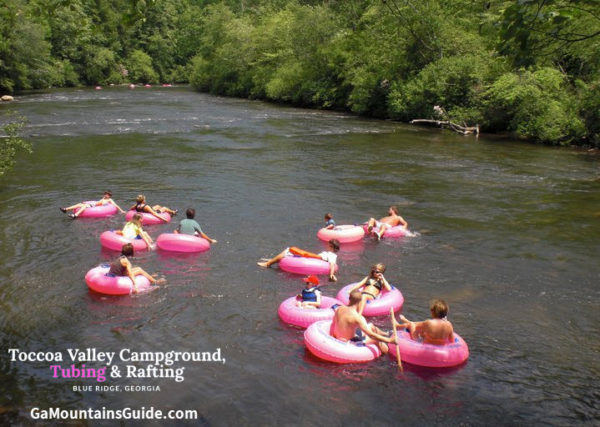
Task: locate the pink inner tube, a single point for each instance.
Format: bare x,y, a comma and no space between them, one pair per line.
304,265
291,314
149,219
343,233
393,232
177,242
98,281
114,241
430,355
98,211
324,346
379,306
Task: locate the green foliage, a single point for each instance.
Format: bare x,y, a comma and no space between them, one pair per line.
543,32
531,67
66,75
590,110
139,66
25,60
456,83
534,104
11,143
224,69
100,66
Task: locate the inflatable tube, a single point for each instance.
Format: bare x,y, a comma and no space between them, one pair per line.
391,232
430,355
98,281
343,233
324,346
149,219
291,314
303,265
98,211
177,242
379,306
114,241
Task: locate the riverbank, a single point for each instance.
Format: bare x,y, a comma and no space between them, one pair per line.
506,67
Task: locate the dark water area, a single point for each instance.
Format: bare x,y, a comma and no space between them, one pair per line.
508,234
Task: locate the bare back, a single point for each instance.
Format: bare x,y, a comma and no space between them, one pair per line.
435,331
393,220
344,324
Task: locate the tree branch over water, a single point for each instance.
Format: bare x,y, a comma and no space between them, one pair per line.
11,141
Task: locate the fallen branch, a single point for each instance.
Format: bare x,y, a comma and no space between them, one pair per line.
463,130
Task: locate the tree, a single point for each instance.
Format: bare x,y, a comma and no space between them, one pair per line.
539,31
11,142
25,60
139,65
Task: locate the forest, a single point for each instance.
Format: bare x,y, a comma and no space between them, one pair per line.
527,68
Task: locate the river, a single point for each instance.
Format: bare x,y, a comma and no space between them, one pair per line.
508,235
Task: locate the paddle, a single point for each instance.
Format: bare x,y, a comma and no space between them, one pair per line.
397,344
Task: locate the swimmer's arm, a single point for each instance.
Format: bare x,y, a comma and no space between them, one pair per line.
332,277
362,324
402,222
204,236
146,237
315,304
386,284
332,272
112,202
125,263
153,212
451,336
359,285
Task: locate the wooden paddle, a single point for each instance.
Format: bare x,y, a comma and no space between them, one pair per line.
397,344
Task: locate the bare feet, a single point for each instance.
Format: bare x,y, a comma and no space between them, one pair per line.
160,281
263,264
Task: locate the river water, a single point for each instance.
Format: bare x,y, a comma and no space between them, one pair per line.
508,234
